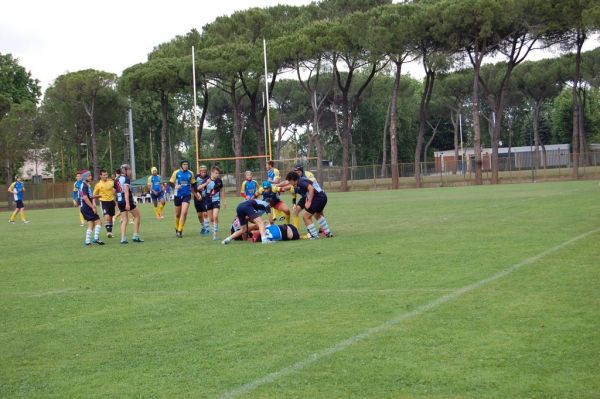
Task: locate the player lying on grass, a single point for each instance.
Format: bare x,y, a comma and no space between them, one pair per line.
270,194
127,205
156,193
88,209
278,232
250,211
314,200
236,225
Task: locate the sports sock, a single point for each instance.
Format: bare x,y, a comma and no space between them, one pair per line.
97,230
324,225
81,219
23,218
176,223
109,227
206,223
88,236
13,216
215,228
296,221
161,206
181,224
312,230
155,211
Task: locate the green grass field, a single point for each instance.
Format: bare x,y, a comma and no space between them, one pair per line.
397,305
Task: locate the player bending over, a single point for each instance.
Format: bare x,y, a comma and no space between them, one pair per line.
105,190
237,225
88,209
182,181
281,232
250,211
127,205
315,200
156,193
270,194
16,189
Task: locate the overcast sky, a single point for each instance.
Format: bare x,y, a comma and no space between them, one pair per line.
51,37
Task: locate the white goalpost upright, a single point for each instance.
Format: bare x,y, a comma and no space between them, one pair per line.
270,152
195,108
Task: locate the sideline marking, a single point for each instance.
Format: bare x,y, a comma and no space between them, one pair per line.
316,356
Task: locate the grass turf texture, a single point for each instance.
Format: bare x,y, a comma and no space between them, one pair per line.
192,318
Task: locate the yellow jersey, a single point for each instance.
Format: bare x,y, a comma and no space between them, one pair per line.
106,190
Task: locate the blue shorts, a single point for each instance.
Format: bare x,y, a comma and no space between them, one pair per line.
180,200
161,195
246,213
213,205
318,204
89,215
19,204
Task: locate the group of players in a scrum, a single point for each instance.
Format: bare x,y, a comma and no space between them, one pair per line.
206,192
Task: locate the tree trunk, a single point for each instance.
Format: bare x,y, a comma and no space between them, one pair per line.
476,122
202,117
237,130
434,131
344,137
394,127
384,143
164,106
423,111
576,106
582,138
95,166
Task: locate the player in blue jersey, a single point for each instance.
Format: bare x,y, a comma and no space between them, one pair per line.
250,211
249,189
273,175
183,182
88,209
76,199
127,205
314,200
215,196
270,194
156,193
16,189
281,232
201,199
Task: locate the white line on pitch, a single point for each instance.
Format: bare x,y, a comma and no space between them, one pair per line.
316,356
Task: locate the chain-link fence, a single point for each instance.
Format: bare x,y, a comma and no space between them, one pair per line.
515,168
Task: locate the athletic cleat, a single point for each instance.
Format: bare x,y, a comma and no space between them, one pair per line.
109,235
282,218
329,235
179,234
81,224
215,238
87,244
202,231
11,221
25,221
313,238
226,241
98,242
124,242
137,239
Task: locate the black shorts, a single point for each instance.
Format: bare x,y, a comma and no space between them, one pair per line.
284,228
318,204
301,202
246,213
89,215
19,204
108,208
122,206
213,205
200,205
180,200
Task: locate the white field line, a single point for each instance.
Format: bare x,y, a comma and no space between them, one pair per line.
316,356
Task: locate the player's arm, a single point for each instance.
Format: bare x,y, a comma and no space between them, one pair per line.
243,190
309,195
173,179
96,193
149,184
11,189
86,198
276,177
255,191
126,191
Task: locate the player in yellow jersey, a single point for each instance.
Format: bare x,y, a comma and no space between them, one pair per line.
105,189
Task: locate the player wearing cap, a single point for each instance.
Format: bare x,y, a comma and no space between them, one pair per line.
127,205
250,211
156,193
183,182
105,190
314,200
270,194
88,209
16,189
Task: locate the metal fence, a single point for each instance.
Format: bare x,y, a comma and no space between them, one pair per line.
366,177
